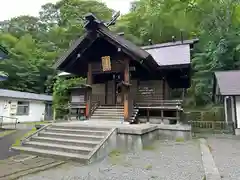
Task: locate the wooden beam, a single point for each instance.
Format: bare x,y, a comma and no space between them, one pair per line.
148,115
126,93
163,89
89,75
89,93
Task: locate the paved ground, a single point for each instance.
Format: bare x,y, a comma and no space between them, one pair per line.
167,160
226,154
23,164
7,141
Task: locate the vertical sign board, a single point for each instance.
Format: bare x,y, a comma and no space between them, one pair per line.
106,63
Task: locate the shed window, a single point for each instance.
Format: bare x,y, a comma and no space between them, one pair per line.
23,108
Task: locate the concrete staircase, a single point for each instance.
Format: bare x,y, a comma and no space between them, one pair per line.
112,113
79,143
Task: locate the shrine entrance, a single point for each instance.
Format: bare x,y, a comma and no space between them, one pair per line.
113,93
106,56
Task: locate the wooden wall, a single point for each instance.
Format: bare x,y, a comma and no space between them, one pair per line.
110,92
98,93
78,96
149,91
141,91
115,65
166,89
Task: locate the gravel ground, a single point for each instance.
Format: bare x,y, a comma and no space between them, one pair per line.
226,154
166,160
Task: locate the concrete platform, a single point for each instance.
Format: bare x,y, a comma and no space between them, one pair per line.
126,128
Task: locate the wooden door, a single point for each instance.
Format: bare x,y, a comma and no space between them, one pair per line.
110,93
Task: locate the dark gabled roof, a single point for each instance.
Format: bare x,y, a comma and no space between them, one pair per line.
71,50
171,53
128,47
96,31
228,82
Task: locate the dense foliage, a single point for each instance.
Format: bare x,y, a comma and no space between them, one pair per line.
35,43
61,94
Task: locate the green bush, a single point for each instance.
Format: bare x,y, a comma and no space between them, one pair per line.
211,114
61,95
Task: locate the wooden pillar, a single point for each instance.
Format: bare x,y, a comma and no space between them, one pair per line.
163,89
178,116
162,115
148,115
183,93
89,91
126,91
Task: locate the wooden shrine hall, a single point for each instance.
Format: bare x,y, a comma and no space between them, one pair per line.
121,74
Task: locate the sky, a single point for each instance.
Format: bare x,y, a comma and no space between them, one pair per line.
13,8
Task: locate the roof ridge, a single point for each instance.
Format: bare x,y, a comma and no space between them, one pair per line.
24,92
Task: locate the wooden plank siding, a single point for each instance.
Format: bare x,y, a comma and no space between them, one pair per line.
141,92
98,93
150,92
78,96
116,66
110,93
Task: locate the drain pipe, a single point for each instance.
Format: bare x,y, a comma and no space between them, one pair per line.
225,108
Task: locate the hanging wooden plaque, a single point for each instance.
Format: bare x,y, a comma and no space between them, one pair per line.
106,63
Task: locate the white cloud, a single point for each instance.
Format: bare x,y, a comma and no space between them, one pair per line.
13,8
120,5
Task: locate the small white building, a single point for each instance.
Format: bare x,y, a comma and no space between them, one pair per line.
226,89
26,107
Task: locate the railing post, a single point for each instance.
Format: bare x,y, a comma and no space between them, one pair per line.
1,123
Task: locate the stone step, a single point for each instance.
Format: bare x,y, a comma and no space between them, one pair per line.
108,114
106,117
76,131
82,127
58,147
100,111
109,110
115,120
111,113
71,136
53,154
110,107
71,142
106,111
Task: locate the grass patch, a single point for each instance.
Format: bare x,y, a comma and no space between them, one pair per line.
18,141
148,167
6,132
180,139
149,148
37,123
115,157
114,153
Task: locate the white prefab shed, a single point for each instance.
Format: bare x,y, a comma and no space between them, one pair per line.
26,107
227,90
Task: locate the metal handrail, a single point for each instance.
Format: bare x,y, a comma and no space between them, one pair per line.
95,105
36,132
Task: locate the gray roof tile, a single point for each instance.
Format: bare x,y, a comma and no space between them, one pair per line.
24,95
170,55
228,82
